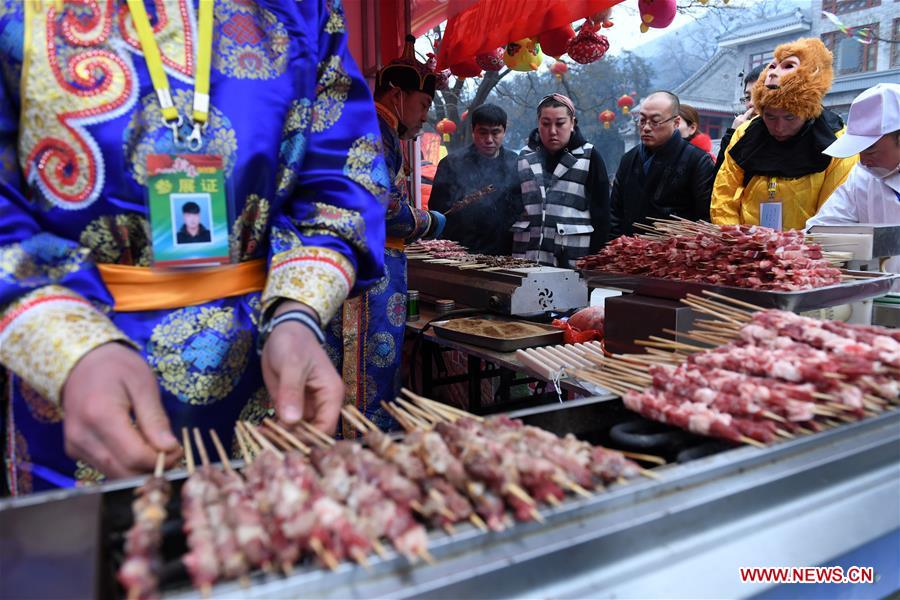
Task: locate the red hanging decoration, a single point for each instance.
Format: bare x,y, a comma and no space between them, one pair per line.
606,117
556,41
559,68
446,127
625,103
491,61
588,46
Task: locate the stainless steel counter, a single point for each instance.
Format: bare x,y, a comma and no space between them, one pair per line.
796,503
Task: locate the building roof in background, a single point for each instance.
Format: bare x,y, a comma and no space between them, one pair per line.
796,21
707,107
722,55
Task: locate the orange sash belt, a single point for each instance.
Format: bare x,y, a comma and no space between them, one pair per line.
142,288
394,243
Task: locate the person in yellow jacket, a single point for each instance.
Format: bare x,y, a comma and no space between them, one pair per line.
774,172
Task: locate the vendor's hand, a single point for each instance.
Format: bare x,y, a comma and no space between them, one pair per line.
299,375
743,118
104,388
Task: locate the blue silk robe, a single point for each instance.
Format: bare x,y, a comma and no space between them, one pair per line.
367,342
295,123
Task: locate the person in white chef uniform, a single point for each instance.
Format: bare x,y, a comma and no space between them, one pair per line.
871,193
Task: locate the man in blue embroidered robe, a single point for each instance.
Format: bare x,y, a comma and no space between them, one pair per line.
292,119
368,342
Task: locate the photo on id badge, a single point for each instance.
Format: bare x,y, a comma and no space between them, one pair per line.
188,210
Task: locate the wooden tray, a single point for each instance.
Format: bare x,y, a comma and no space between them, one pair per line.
550,335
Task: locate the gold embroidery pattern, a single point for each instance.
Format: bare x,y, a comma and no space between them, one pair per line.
251,43
147,134
379,286
255,304
173,31
338,222
43,410
293,142
74,78
331,94
258,407
283,239
249,228
199,353
45,332
381,351
119,239
318,277
335,22
365,165
350,338
85,474
40,260
396,309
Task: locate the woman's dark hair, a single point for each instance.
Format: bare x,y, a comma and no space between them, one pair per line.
551,102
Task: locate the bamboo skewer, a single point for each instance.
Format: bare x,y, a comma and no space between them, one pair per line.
316,434
188,450
287,435
262,440
201,448
753,308
160,466
220,449
650,458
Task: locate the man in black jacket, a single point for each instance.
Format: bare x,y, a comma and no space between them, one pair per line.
476,189
664,175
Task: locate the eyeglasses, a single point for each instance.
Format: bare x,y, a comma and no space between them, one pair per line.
640,122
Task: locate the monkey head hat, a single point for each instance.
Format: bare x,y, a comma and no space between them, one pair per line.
796,80
407,73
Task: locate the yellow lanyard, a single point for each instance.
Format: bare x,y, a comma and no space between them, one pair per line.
772,186
161,81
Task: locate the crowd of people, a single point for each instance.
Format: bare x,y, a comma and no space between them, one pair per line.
107,356
782,164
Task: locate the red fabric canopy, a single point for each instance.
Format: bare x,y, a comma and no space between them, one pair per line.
493,23
428,13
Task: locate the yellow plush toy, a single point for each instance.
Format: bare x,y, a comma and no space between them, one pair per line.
523,55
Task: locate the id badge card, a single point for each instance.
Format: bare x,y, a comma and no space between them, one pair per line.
188,210
770,215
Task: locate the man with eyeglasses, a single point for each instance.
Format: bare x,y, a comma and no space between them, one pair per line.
664,175
477,188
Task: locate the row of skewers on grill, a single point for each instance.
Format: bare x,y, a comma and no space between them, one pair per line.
302,494
754,376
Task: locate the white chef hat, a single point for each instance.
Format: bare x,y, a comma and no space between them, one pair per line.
873,113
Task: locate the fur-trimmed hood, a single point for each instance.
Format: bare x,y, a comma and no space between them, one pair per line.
801,91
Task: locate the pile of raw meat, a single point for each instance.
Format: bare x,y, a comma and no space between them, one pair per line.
449,249
784,374
731,255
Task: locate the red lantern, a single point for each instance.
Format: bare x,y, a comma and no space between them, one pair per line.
464,115
556,41
446,127
559,68
625,103
607,117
